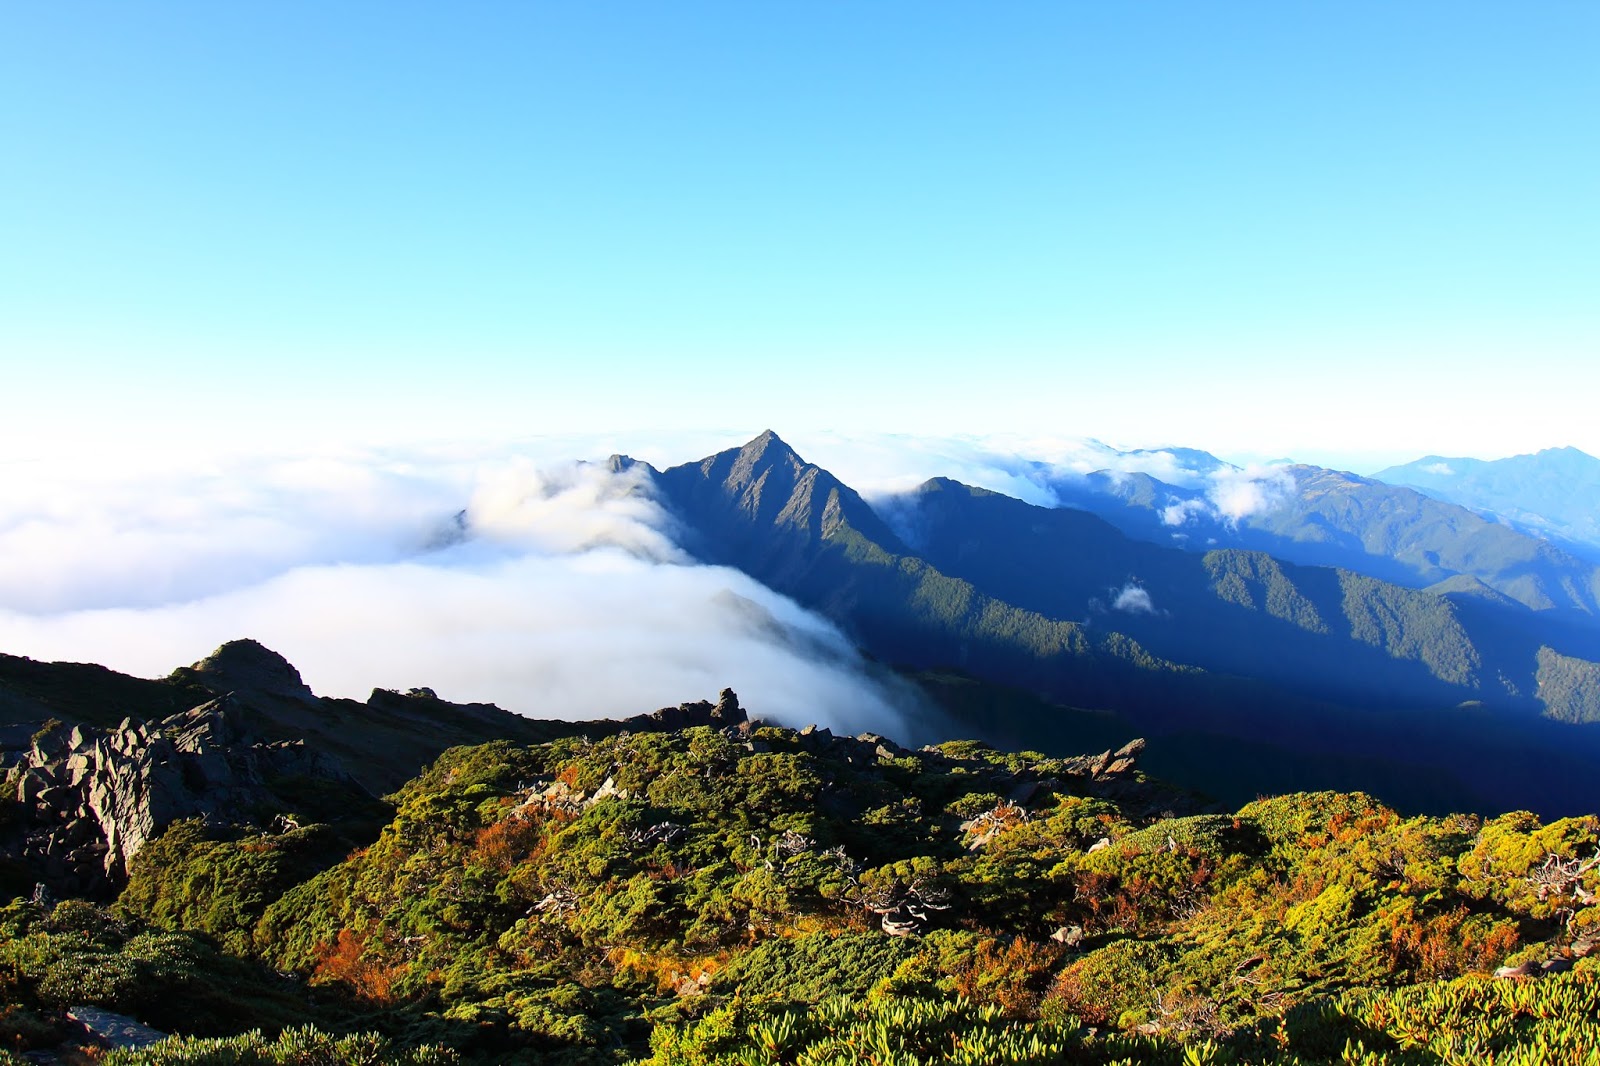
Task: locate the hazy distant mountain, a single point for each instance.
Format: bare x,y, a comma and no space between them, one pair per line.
1326,517
1555,492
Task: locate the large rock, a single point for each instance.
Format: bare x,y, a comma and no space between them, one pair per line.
89,799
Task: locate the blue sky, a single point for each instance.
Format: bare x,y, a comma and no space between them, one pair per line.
1352,233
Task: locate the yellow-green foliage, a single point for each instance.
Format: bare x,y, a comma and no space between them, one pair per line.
1470,1021
301,1046
721,883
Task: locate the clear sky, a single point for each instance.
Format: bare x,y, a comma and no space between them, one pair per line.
1358,231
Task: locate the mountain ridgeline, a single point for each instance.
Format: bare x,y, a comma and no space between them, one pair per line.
1450,693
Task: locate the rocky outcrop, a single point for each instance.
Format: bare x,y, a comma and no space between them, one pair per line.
88,799
723,714
247,666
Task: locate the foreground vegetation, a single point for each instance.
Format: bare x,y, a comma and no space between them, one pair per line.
728,897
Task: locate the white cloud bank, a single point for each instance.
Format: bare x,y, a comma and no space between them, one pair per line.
570,598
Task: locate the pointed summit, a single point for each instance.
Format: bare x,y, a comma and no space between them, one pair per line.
766,452
765,439
768,447
761,499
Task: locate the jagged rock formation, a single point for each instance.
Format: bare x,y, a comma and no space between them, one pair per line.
90,798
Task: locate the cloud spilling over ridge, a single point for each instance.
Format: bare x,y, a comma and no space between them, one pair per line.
569,508
558,592
1237,494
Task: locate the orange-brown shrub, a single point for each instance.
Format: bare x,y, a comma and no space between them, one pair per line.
1011,975
345,962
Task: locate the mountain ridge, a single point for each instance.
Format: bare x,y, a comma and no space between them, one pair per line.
1314,658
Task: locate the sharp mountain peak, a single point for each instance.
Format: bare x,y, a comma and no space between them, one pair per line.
768,447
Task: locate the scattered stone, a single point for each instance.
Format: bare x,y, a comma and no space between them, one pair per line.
116,1031
725,713
608,790
1068,935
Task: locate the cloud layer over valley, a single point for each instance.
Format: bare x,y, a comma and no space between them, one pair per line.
555,589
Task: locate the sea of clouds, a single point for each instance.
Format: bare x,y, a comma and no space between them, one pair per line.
511,574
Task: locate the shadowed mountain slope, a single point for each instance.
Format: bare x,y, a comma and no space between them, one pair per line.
1229,643
991,576
798,529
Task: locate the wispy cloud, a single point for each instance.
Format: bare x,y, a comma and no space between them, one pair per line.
1181,512
1133,599
1236,494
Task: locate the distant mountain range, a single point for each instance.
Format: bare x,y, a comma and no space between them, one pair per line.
1321,517
1315,662
1554,493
